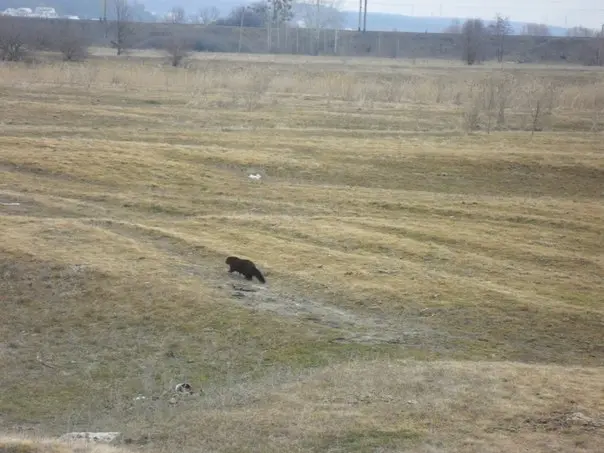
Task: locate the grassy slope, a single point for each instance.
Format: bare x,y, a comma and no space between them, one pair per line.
381,242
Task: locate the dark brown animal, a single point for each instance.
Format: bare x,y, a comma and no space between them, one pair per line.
245,268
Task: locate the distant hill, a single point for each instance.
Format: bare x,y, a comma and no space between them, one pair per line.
375,21
416,24
192,6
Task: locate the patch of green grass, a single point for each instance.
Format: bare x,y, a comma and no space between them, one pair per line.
363,439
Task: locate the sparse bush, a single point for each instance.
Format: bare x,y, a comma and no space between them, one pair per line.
257,86
504,92
13,40
123,31
177,15
500,29
207,16
487,101
473,33
71,42
177,48
471,116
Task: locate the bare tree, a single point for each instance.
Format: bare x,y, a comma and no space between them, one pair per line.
208,16
280,11
500,29
454,27
253,15
70,41
13,43
324,14
123,26
177,15
600,50
533,29
178,49
473,33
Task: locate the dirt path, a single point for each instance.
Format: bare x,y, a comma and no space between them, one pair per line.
276,296
284,298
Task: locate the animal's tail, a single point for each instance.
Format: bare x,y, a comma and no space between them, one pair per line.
259,275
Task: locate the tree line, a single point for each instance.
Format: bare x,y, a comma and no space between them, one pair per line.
475,31
68,37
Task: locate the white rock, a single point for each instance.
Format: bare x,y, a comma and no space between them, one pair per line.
102,437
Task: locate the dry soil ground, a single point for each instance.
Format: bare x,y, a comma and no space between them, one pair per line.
432,241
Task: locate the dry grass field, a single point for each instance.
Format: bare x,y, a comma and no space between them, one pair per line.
432,238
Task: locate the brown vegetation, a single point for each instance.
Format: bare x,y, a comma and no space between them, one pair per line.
431,289
122,34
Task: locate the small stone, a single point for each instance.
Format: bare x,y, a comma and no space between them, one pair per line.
102,437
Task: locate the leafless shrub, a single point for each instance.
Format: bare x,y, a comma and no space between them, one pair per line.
596,120
43,37
177,15
257,85
489,94
473,33
13,40
536,112
207,16
122,26
542,100
487,101
597,109
71,42
471,116
496,96
178,49
500,29
504,93
472,109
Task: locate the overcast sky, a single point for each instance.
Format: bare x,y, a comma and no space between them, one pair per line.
589,13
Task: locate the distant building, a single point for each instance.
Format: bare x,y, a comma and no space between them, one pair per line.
41,11
44,11
20,12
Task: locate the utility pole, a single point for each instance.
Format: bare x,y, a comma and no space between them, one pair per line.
105,17
243,10
318,31
360,13
365,18
601,49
